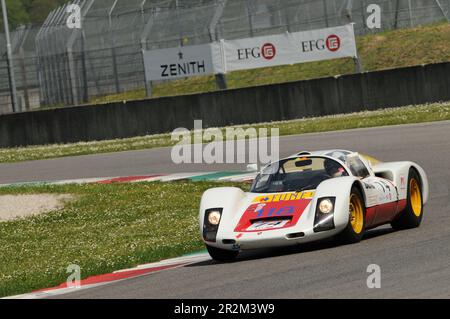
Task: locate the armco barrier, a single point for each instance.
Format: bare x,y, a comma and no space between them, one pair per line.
334,95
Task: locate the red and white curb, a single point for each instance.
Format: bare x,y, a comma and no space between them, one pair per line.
100,280
199,176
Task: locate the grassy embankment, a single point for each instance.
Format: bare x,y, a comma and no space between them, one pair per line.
107,227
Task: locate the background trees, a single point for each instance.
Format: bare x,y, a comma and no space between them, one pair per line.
29,11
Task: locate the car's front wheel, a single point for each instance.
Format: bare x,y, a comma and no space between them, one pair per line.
354,231
222,254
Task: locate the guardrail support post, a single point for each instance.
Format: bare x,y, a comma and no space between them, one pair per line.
358,65
148,88
24,79
12,80
221,81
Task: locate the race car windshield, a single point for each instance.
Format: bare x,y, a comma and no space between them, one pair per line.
298,174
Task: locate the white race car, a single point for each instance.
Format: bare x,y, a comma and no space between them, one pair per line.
312,196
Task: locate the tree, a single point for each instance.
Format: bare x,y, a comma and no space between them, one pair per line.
39,9
17,14
29,11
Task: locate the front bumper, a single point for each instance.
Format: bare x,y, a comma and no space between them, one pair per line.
269,239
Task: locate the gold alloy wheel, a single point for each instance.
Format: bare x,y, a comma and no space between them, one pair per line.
415,197
356,214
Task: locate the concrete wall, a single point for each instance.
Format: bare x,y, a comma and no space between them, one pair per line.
349,93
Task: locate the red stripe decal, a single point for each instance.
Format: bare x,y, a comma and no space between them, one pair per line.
384,213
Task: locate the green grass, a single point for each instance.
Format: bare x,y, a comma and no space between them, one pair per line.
391,116
108,227
386,50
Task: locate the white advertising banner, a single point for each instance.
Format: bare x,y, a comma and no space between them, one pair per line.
250,53
181,62
289,48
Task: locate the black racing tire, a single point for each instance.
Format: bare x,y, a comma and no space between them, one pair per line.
222,254
354,231
412,216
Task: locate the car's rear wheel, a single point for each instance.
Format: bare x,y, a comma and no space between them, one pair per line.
354,231
222,254
412,216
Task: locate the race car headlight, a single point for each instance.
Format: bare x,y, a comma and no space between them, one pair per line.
326,206
211,224
324,218
214,217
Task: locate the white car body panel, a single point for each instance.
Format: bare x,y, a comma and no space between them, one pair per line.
398,173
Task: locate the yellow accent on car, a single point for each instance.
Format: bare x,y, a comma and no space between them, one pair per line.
372,160
415,197
356,214
283,197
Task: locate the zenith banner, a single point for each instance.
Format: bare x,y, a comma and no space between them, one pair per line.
290,48
181,62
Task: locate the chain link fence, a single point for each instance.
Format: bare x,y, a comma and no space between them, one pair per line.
58,66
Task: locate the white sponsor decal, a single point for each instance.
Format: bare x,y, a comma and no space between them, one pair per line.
402,182
266,225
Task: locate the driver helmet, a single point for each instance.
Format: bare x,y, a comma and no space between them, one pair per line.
333,168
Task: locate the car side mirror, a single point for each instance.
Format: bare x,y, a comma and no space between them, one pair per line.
252,168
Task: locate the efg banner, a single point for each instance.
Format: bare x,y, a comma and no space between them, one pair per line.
289,48
181,62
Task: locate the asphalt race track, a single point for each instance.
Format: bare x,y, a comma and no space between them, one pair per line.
414,263
421,142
